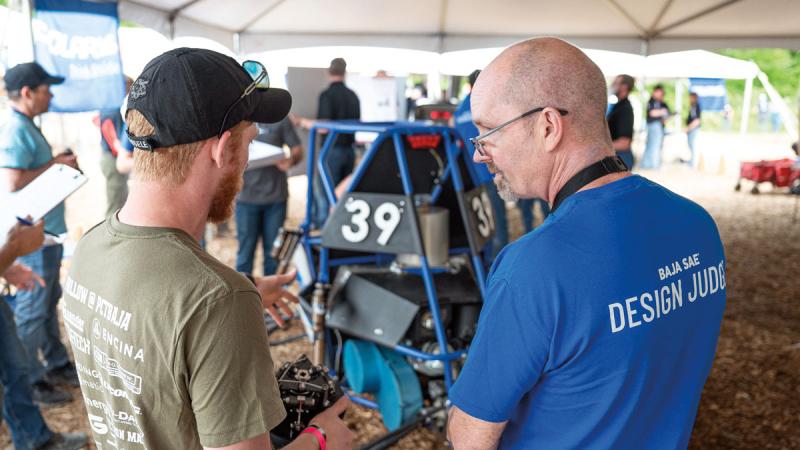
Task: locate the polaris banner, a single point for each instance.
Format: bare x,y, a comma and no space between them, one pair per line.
78,41
711,93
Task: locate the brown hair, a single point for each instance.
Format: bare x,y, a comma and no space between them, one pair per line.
338,67
627,80
169,165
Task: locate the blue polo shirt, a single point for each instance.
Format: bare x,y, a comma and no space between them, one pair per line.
23,146
467,129
600,326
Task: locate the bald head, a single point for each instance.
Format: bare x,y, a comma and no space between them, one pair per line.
550,72
535,154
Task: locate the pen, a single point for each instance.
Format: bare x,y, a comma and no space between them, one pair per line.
30,224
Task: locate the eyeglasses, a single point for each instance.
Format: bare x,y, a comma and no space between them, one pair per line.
260,77
477,141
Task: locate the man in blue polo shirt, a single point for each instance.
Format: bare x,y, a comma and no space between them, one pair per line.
24,155
599,328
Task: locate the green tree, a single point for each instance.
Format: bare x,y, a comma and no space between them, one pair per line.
781,66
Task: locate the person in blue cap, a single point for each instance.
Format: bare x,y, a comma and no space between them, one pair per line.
24,155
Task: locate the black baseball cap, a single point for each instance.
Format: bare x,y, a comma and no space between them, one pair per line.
29,74
473,77
185,93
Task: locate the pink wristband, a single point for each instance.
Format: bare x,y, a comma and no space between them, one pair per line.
314,431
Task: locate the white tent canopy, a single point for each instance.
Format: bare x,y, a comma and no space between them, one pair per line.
633,26
686,64
676,65
137,46
698,64
437,33
359,59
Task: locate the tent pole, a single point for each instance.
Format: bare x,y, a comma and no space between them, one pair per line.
435,85
171,27
641,83
27,9
783,108
748,98
678,104
237,44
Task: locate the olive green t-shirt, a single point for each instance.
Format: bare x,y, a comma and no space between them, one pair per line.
169,343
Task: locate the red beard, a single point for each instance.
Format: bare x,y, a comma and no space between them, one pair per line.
222,203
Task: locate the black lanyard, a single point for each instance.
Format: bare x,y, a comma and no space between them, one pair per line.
612,164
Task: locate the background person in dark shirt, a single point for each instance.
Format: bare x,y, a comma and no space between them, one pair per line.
261,204
657,113
693,125
620,119
338,102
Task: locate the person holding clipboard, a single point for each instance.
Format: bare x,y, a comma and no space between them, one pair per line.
24,155
261,204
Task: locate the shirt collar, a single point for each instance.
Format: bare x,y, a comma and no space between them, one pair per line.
22,115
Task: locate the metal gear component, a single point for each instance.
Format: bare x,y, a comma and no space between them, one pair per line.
306,390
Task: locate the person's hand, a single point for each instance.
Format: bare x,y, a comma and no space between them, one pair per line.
22,277
67,158
301,122
274,297
295,119
338,436
26,238
284,165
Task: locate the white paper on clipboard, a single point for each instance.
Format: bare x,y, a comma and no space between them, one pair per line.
39,197
263,154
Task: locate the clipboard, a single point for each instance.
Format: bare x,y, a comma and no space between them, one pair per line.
39,197
263,155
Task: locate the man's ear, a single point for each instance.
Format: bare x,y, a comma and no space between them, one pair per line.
219,149
26,92
553,124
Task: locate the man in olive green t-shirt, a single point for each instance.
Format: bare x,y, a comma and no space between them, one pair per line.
171,351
